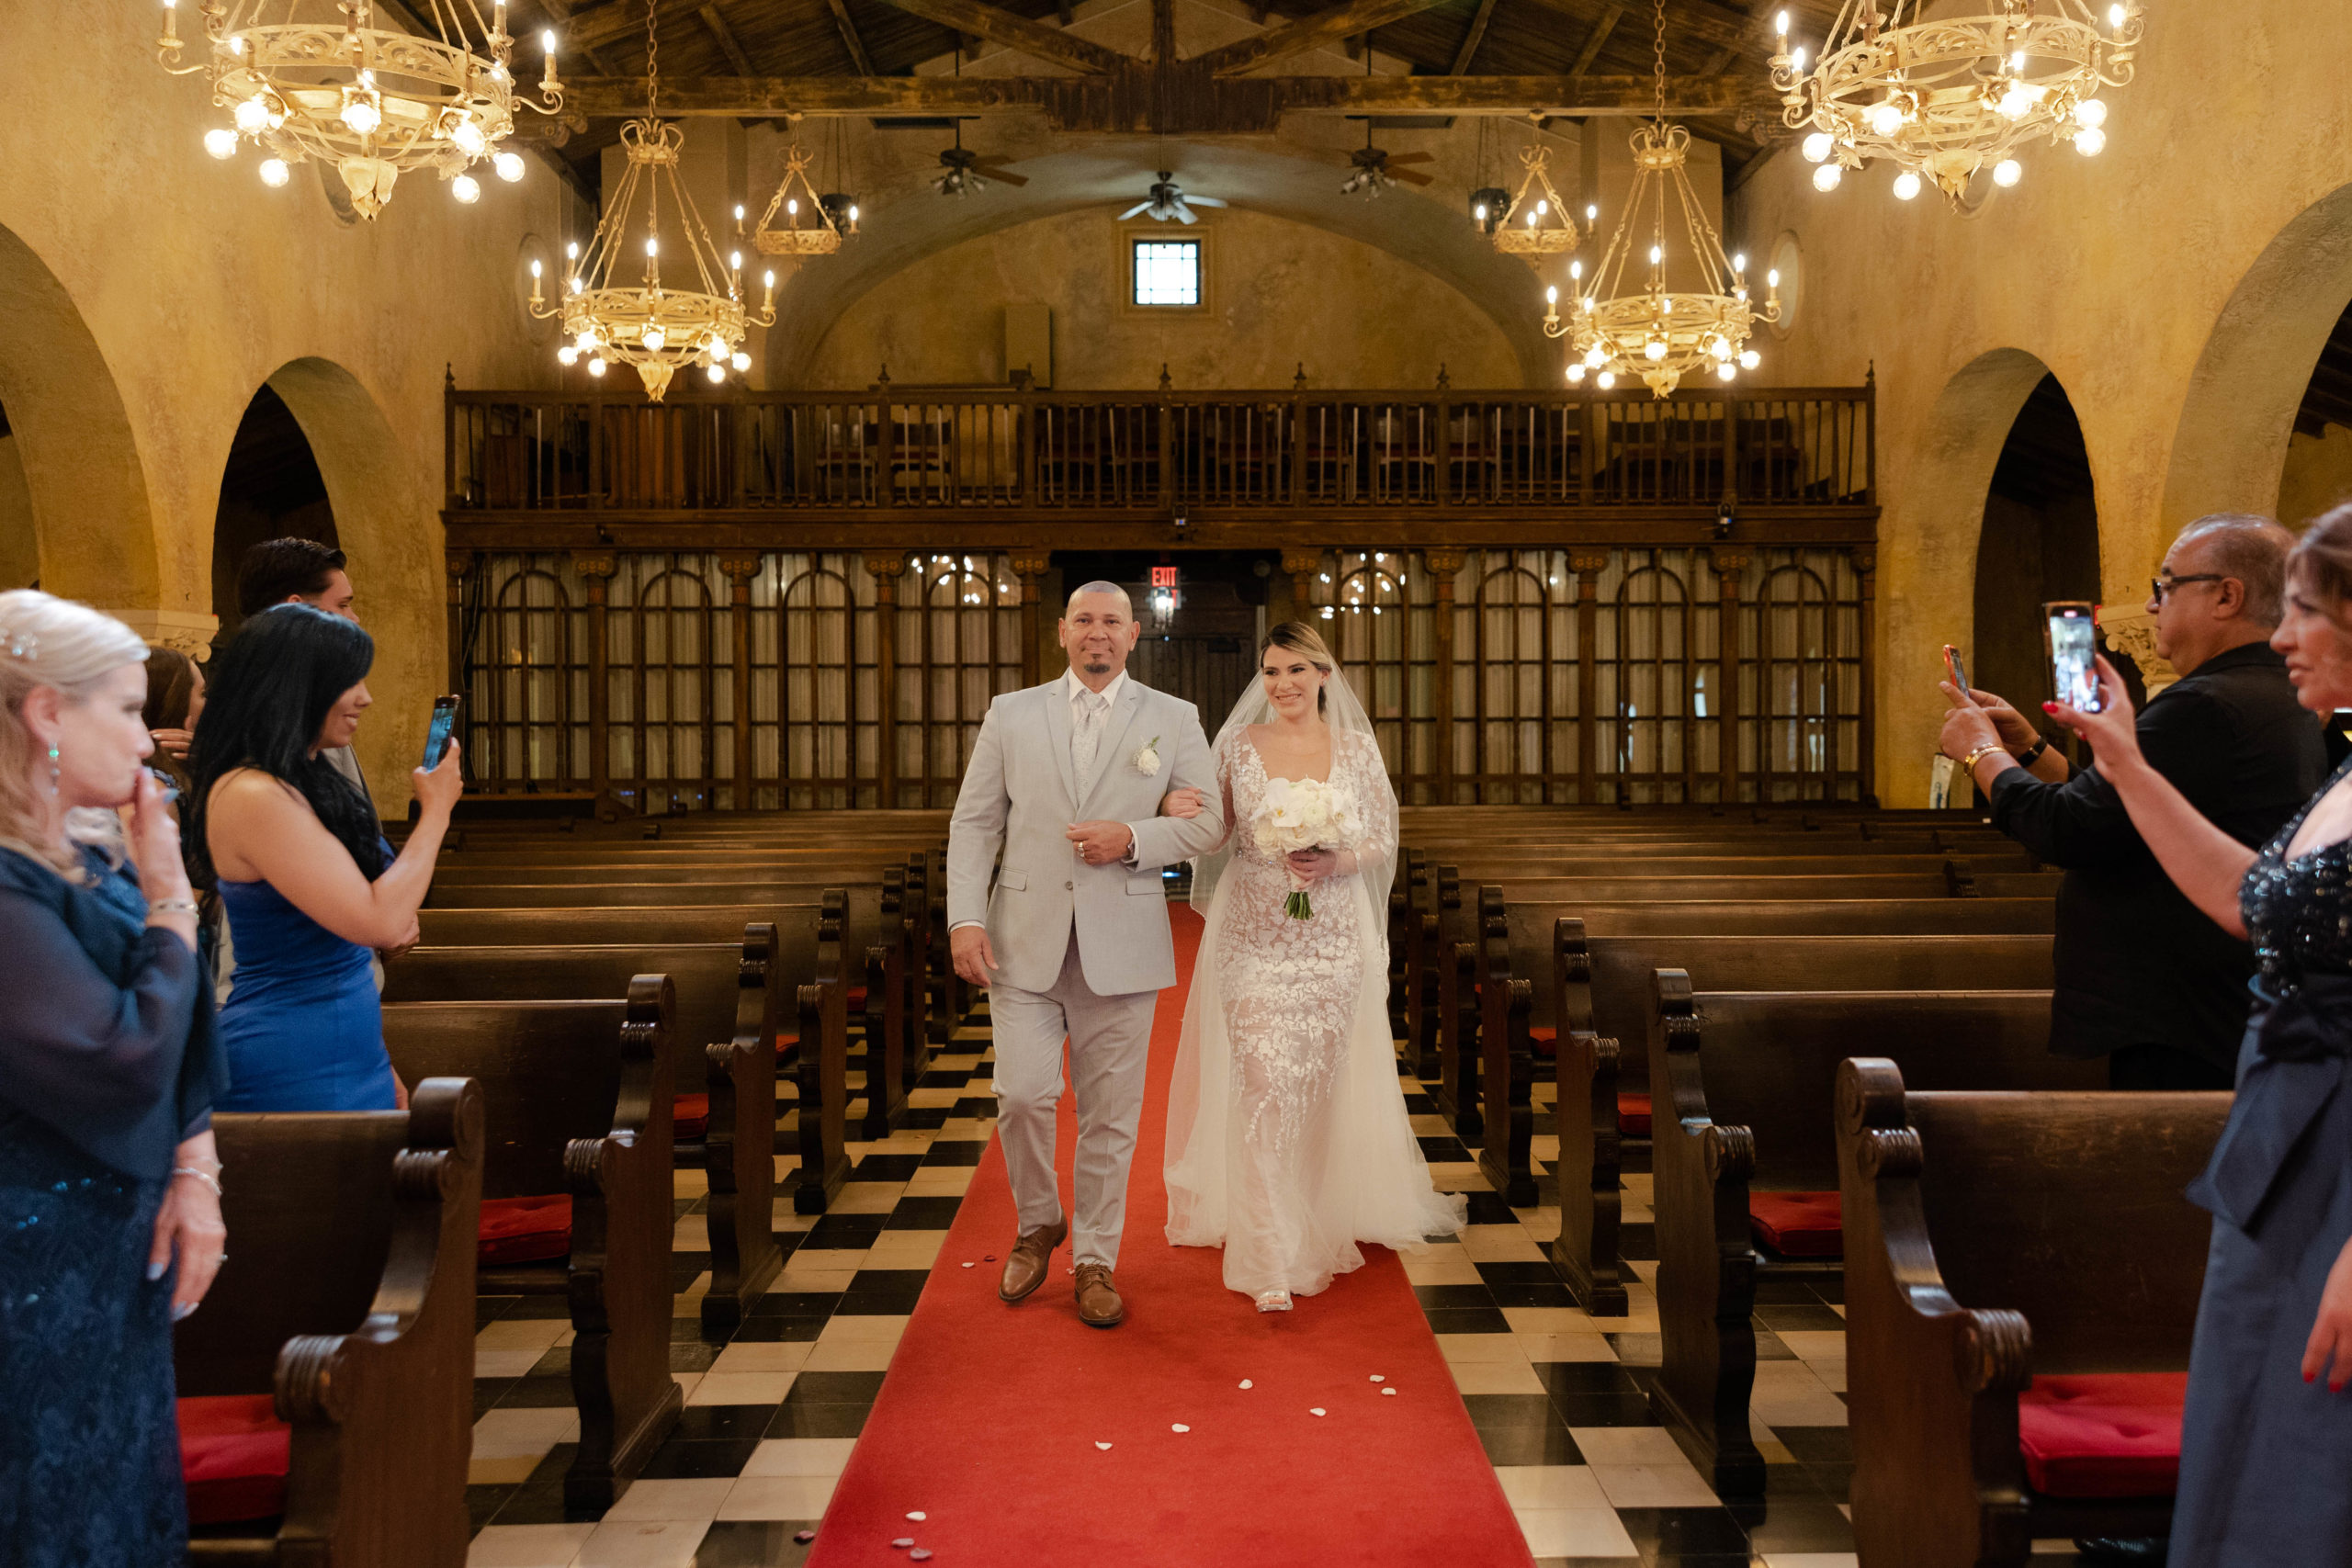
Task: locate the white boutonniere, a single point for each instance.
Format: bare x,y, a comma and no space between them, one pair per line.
1147,759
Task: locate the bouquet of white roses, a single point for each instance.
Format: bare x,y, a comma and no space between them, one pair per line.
1303,814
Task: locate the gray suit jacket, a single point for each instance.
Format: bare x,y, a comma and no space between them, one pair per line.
1020,795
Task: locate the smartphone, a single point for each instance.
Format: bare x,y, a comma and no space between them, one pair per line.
436,737
2073,647
1957,668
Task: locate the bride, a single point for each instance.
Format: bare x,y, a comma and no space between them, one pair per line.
1287,1137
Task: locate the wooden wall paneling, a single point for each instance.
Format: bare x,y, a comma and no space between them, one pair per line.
1588,564
1730,565
596,575
1445,565
1865,564
743,785
886,568
1029,569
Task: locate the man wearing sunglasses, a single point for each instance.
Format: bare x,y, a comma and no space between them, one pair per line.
2142,977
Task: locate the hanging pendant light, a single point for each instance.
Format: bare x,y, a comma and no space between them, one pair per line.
658,330
1653,332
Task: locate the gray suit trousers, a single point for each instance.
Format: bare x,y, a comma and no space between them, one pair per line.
1109,1043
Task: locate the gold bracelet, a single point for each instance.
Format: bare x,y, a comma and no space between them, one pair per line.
1968,763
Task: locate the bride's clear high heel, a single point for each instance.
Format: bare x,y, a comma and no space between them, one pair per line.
1275,1301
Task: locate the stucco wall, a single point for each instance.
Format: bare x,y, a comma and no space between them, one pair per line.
1279,293
2147,279
146,292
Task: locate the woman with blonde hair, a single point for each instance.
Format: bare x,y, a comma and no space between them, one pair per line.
110,1189
1288,1142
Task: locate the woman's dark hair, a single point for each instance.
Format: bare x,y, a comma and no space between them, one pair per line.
272,688
171,687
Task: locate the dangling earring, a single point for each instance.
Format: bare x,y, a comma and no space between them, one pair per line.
52,773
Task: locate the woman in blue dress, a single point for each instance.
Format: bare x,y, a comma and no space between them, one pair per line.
311,887
109,1189
2266,1458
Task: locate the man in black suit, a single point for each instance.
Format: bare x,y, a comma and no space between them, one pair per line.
2142,978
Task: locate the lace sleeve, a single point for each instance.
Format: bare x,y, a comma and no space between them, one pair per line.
1375,801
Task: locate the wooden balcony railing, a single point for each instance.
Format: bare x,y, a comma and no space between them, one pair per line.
914,452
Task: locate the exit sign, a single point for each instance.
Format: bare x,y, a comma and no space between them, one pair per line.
1163,577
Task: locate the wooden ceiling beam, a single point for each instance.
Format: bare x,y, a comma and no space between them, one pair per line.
850,40
617,20
1473,38
1198,103
1033,38
1688,20
712,19
1607,24
1314,32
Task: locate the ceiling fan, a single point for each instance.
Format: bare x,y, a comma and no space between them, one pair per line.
964,168
1167,200
1375,170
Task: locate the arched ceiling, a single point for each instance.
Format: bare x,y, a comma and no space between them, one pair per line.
1286,182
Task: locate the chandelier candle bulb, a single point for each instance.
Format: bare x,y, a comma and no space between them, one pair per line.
274,171
1907,186
508,167
2090,140
2007,172
221,141
466,188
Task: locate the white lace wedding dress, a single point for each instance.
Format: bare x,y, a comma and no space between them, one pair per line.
1288,1142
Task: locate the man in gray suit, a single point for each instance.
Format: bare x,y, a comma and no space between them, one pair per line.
1080,919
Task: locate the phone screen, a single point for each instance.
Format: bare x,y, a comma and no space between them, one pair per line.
1957,668
437,738
2074,638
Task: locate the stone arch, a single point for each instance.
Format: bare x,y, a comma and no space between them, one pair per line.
1943,499
2230,447
84,483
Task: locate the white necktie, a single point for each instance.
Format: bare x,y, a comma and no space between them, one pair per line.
1087,738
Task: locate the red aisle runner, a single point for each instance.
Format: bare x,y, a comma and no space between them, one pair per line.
989,1420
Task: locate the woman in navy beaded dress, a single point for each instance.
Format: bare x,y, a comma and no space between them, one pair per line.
110,1191
2266,1460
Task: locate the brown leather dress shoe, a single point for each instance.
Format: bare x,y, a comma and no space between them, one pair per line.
1024,1270
1099,1306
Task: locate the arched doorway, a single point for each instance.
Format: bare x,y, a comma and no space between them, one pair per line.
2040,542
270,488
70,471
20,542
2317,474
2249,393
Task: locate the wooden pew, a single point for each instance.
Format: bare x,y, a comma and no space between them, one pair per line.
872,916
1744,1085
727,1011
350,1290
578,1096
807,952
1994,1241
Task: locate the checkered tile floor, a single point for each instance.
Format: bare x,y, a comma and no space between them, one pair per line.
770,1416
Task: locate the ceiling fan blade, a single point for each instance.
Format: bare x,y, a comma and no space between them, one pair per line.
996,171
1130,212
1207,200
1184,214
1411,176
1410,157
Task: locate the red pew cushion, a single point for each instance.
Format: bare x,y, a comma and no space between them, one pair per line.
526,1230
233,1456
1798,1224
2103,1435
1633,1115
1544,1043
787,1046
689,1117
856,999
